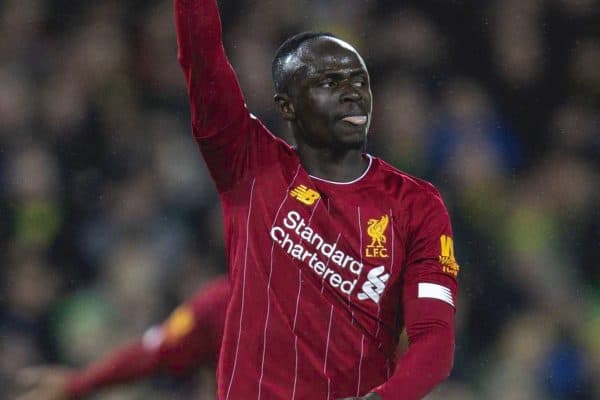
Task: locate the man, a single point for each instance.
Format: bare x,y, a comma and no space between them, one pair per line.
328,247
189,338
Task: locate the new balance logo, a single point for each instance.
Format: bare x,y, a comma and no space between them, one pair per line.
305,195
375,284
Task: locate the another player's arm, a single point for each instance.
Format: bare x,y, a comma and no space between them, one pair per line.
222,125
129,363
188,338
429,298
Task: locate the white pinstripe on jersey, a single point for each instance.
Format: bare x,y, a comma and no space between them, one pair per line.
237,346
360,249
296,312
327,351
337,239
262,364
362,349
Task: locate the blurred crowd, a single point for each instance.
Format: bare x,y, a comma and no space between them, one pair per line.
108,218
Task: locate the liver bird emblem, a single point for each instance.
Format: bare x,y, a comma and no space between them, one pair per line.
376,230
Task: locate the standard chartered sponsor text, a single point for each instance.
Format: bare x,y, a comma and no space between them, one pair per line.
295,234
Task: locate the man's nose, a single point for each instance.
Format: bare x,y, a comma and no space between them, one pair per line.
350,93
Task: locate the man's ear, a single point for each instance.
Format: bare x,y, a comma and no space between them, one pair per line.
284,105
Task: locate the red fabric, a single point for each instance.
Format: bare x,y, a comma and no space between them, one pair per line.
128,363
429,322
320,271
201,345
173,352
429,358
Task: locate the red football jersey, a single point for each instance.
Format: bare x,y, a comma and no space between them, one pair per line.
319,270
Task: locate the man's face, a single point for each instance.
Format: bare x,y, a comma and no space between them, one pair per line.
331,95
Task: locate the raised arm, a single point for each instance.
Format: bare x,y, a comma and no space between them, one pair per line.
215,97
233,142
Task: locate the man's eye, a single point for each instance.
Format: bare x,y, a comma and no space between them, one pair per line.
328,84
358,83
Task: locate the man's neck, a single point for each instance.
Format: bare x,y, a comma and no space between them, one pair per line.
342,166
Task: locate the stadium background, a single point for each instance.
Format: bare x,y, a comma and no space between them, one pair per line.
108,219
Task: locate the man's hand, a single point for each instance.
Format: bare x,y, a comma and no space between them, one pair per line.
43,383
370,396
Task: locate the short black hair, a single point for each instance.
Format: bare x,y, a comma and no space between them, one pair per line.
287,48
